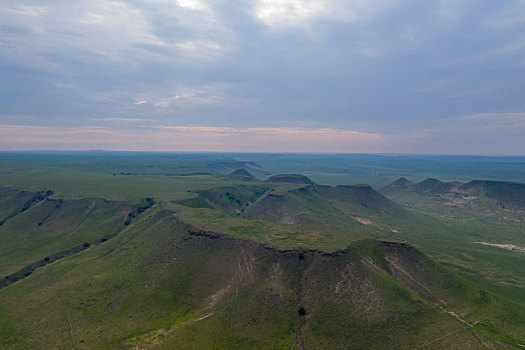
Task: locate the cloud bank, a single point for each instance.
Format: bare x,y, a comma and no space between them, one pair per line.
253,139
378,68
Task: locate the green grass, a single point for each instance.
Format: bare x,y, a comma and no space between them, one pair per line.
154,285
51,226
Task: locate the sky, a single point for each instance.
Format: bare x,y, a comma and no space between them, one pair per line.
350,76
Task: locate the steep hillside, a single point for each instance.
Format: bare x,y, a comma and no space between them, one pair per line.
276,208
231,199
326,205
13,202
509,194
432,185
304,205
241,175
163,284
400,184
360,199
50,226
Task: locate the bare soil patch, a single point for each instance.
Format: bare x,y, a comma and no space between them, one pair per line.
504,246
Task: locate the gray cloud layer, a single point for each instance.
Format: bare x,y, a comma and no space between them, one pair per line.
446,76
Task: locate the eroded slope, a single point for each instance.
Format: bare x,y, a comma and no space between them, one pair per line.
162,283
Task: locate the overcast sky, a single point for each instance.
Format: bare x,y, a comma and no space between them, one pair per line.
401,76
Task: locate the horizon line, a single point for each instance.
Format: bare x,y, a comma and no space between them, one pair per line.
261,152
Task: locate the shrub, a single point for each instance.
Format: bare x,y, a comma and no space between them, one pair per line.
301,311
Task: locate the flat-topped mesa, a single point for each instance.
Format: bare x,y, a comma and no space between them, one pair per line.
242,175
291,178
377,280
346,189
505,193
429,185
493,185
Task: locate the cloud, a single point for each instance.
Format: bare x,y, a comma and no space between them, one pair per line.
101,27
26,10
514,121
498,116
374,65
451,12
113,30
510,16
299,13
201,51
126,120
184,96
290,12
196,5
472,140
190,138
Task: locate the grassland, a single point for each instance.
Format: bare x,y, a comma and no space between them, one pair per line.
156,285
224,261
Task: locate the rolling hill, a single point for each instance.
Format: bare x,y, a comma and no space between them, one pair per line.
301,204
170,254
161,283
429,185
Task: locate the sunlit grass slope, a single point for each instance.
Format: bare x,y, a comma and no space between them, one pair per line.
156,285
221,262
53,225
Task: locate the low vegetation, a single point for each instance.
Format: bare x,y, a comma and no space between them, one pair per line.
194,253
